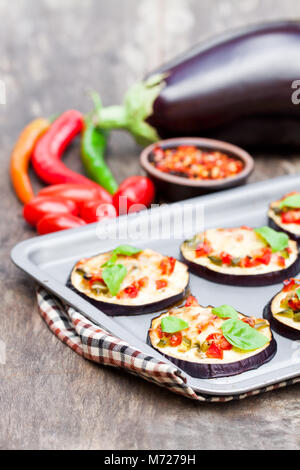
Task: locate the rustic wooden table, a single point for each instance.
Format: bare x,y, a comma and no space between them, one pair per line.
52,52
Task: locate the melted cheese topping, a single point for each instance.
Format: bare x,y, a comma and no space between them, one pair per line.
293,228
275,308
239,243
144,264
201,315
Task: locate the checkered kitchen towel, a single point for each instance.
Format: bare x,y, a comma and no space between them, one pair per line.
97,345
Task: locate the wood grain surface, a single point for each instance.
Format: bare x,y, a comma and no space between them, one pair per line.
52,53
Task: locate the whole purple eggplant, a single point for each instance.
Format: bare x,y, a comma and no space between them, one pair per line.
241,87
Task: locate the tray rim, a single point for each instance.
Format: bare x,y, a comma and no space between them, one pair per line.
20,255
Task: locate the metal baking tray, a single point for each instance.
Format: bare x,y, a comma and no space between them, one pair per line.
49,259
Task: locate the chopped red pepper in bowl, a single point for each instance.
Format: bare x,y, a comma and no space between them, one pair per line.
186,167
191,162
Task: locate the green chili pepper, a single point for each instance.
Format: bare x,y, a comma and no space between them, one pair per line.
93,148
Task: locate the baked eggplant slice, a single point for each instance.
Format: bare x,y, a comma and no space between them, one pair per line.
284,215
242,256
209,345
283,311
137,283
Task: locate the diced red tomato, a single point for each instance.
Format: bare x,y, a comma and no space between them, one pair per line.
249,262
226,258
159,332
281,261
219,340
290,217
176,339
132,291
143,282
214,351
95,279
167,266
203,249
224,344
161,284
191,301
294,303
265,257
289,284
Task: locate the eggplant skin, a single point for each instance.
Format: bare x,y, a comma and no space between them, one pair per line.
237,87
212,371
255,280
116,310
292,235
280,328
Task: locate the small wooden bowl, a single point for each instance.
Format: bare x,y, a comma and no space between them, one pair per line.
175,188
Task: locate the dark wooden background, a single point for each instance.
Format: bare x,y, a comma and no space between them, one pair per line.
52,52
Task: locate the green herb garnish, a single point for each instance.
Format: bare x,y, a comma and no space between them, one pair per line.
125,250
298,293
278,241
292,201
225,311
113,277
243,336
173,324
288,312
216,260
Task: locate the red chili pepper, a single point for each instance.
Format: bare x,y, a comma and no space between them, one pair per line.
79,193
46,158
57,222
38,207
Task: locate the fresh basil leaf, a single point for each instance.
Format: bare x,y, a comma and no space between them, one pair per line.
225,311
298,293
292,201
278,241
173,324
111,262
113,277
126,250
243,336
